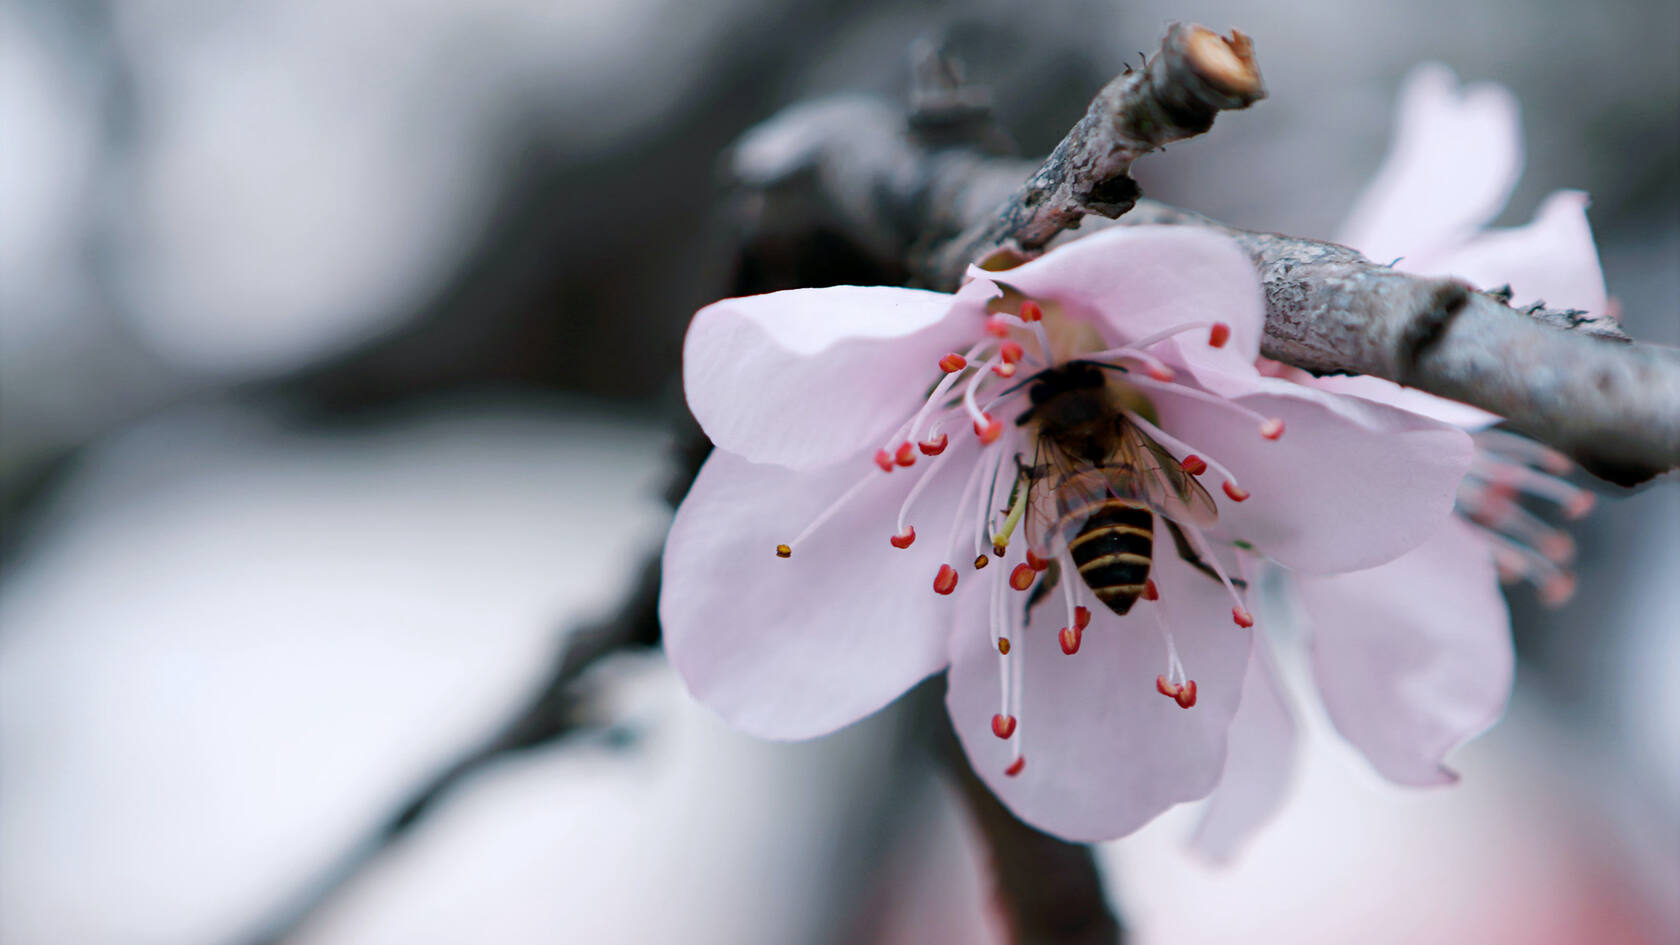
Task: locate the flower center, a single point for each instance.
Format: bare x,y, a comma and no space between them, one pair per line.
1026,346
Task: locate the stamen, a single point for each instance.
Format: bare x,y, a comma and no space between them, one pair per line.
1174,444
981,561
1150,592
969,488
1003,726
826,514
988,429
1011,352
1194,535
1175,684
933,446
1504,443
1022,577
1269,427
1236,492
1003,646
1004,369
906,455
1016,766
783,551
997,327
1081,617
904,538
1036,561
1031,312
1219,334
915,492
1158,337
946,580
884,460
952,363
1554,584
1573,500
1193,464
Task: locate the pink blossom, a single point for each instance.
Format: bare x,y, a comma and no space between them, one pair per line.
855,530
1413,657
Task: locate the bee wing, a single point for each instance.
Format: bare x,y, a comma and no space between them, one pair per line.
1148,472
1063,494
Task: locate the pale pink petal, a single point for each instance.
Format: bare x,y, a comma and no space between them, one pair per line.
1134,281
1552,259
1351,483
1105,752
1414,657
1258,766
806,377
797,647
1455,157
1463,416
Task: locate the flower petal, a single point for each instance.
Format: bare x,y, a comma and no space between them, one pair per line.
798,647
807,377
1552,259
1134,281
1351,483
1410,399
1413,658
1105,752
1258,766
1455,158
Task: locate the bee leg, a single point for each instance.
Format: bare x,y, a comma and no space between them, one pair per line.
1191,557
1045,585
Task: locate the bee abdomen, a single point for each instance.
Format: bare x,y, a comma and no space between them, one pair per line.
1113,551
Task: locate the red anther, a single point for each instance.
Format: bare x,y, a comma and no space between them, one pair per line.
1557,591
952,363
783,551
981,561
884,460
1219,334
1016,766
1243,618
1161,372
1035,562
1168,689
906,455
904,538
1193,464
997,327
1236,492
1003,726
1006,369
1070,637
1081,617
1030,312
1186,696
1580,505
989,431
1272,429
1150,592
1011,352
1558,548
1022,577
933,447
946,580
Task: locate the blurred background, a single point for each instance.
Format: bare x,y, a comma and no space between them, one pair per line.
338,343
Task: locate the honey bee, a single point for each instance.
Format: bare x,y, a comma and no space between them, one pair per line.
1097,481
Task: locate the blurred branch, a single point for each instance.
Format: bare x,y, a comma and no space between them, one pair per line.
1050,890
859,173
555,711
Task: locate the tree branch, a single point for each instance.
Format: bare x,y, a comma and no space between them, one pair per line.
859,173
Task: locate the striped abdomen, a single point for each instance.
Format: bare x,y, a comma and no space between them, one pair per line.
1113,549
